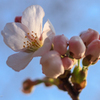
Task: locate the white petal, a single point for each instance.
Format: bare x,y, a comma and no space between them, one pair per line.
32,18
19,60
44,49
48,31
14,35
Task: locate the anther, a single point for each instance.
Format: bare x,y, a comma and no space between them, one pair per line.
36,37
24,46
32,35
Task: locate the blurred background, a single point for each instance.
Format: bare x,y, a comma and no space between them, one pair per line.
69,17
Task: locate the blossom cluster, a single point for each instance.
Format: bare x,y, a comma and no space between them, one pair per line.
58,53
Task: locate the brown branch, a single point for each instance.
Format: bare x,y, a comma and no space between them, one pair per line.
70,89
66,86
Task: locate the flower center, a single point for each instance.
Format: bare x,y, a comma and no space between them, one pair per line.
33,43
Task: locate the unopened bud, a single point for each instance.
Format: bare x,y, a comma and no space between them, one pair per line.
92,53
76,47
51,64
67,63
27,86
18,19
88,36
60,44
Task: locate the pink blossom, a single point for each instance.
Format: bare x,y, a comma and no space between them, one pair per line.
88,36
27,37
51,64
60,44
76,47
99,36
93,51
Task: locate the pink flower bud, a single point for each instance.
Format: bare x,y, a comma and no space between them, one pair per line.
89,35
60,44
67,63
99,36
92,52
51,64
76,47
18,19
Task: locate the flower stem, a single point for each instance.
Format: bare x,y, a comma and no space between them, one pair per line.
78,63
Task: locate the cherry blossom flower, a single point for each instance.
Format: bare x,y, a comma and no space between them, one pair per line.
27,37
52,65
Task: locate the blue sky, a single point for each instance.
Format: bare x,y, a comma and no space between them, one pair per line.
69,17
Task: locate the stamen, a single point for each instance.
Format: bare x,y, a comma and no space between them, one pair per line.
24,46
36,37
33,42
35,33
30,43
32,35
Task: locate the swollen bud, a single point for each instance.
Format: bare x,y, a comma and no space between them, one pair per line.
18,19
92,53
67,63
27,86
51,64
76,47
60,44
88,36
